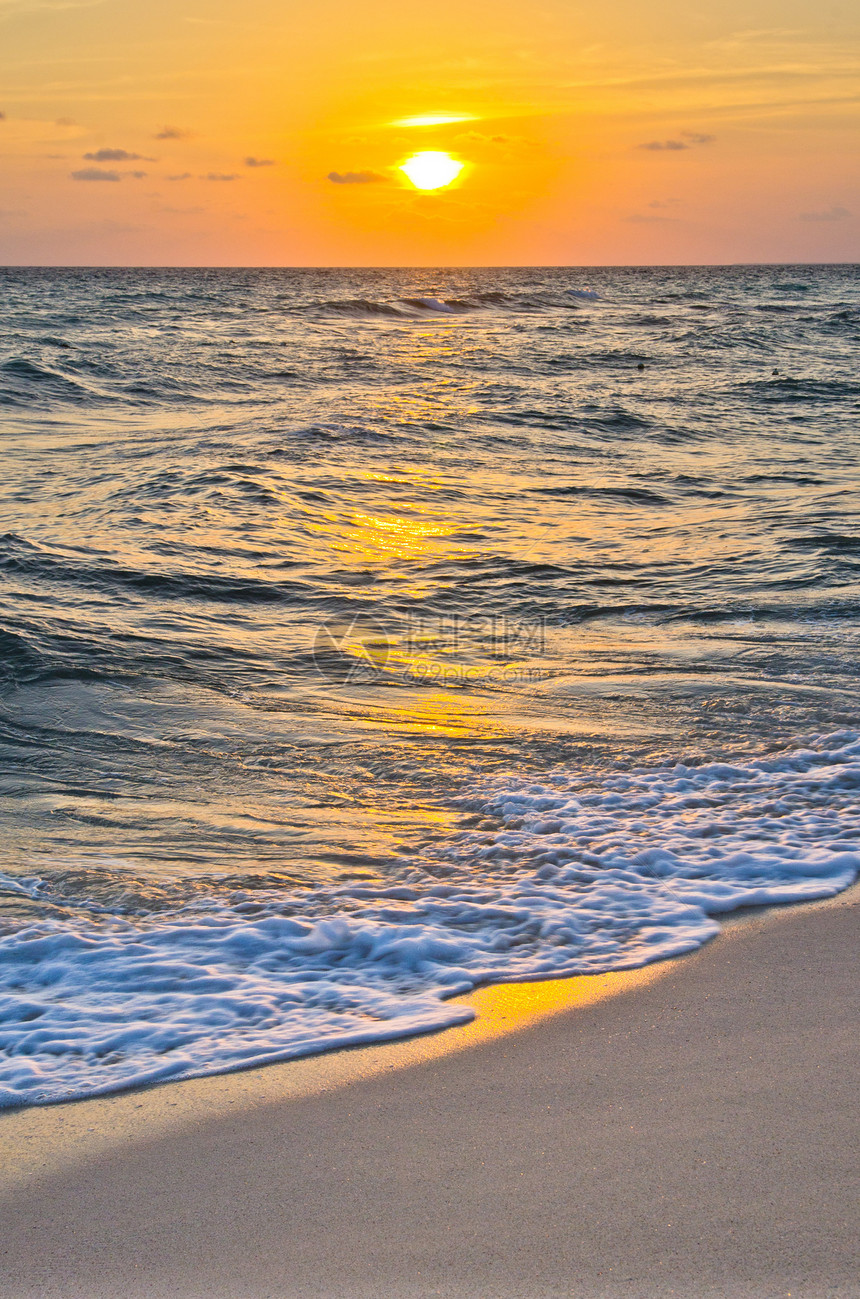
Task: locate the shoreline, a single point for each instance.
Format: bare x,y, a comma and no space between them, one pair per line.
92,1177
36,1140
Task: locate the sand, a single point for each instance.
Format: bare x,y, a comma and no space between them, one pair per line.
690,1130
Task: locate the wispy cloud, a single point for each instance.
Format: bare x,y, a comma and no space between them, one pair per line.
259,162
116,155
641,219
95,173
171,133
356,177
477,137
830,214
688,140
220,175
8,8
434,119
99,173
182,175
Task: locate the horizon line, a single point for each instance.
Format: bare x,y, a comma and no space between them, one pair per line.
407,266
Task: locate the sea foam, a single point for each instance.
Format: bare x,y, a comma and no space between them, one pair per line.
578,874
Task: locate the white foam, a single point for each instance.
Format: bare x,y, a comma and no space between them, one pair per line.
584,875
434,304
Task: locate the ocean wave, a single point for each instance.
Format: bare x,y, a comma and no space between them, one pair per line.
24,559
26,384
630,495
780,387
359,307
575,876
420,305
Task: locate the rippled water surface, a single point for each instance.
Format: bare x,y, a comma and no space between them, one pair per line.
370,634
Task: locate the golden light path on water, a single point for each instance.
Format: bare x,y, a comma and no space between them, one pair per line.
439,625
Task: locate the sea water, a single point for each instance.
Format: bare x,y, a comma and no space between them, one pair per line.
370,635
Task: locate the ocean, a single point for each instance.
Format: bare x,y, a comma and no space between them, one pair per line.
369,635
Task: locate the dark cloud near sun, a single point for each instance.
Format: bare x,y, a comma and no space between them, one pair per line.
99,173
478,137
259,162
115,155
95,173
652,219
356,177
688,140
830,214
171,133
656,215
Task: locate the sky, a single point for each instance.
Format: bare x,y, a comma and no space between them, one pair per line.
272,132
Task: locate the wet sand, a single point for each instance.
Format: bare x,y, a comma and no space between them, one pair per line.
689,1130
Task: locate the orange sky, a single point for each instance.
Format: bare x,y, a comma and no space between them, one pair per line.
259,132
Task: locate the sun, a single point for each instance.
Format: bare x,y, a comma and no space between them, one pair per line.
431,170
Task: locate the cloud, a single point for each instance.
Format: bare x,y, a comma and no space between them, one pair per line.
688,140
220,175
2,117
9,8
182,175
138,175
832,214
639,219
655,146
356,177
95,173
434,119
477,137
171,133
115,155
259,162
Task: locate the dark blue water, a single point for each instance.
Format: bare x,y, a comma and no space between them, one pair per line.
370,634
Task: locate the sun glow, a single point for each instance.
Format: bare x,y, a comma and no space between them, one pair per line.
431,169
435,119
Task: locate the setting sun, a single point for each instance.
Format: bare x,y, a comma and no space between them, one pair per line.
431,169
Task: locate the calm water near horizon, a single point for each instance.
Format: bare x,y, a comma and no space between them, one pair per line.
371,634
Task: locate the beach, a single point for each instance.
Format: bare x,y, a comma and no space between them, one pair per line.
689,1130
